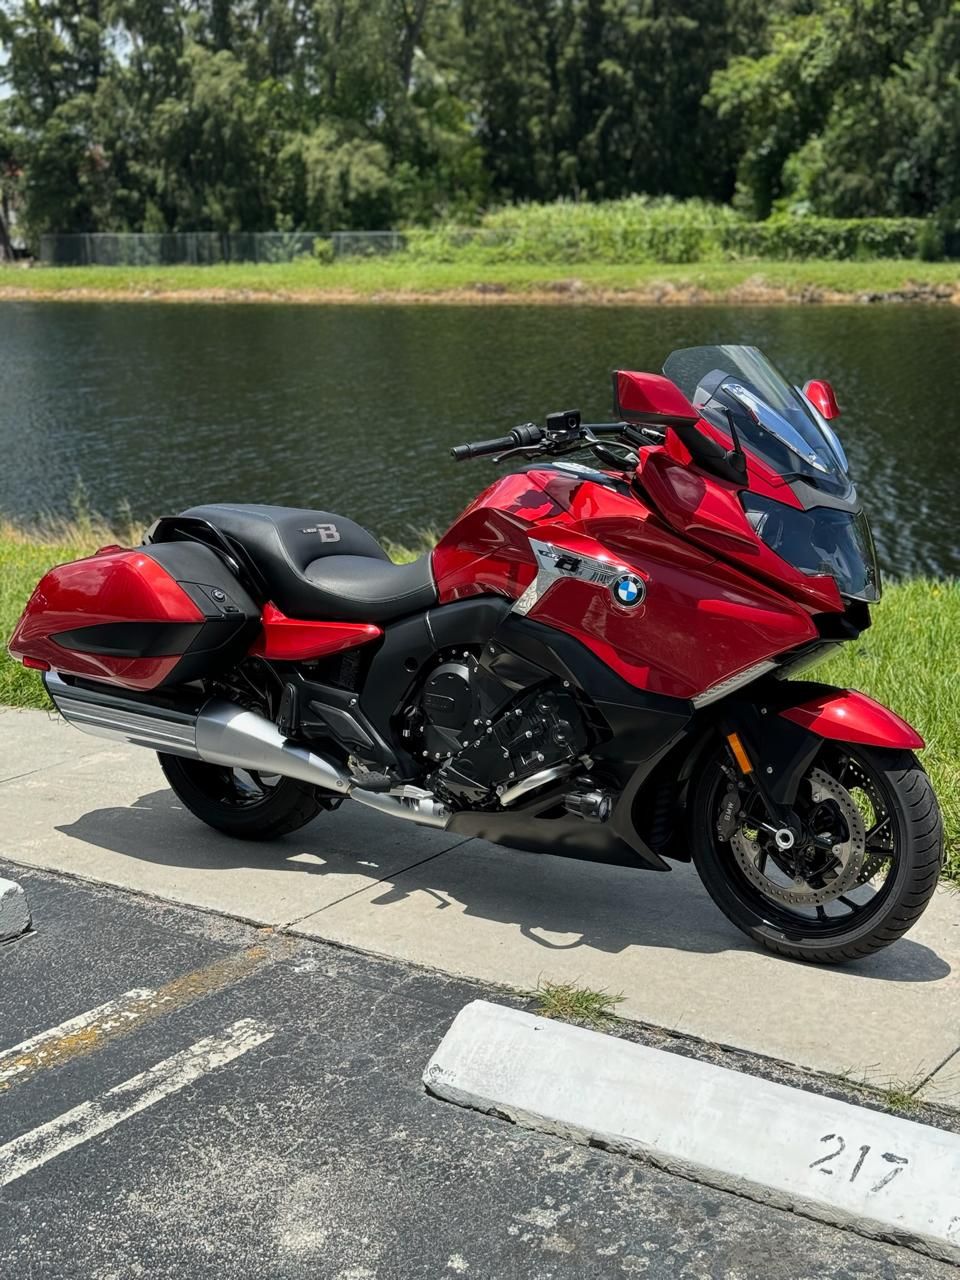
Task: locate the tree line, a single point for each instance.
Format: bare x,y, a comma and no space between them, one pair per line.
263,115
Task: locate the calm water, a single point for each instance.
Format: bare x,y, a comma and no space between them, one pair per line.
352,409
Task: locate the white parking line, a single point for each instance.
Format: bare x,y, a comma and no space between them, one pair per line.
92,1118
84,1027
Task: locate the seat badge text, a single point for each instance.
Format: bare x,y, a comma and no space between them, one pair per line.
326,532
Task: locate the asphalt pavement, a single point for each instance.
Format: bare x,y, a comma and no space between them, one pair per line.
248,1104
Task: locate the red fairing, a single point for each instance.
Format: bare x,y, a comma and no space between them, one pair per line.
112,586
709,511
701,622
286,639
848,716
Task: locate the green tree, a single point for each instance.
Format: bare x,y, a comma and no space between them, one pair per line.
600,98
849,108
57,58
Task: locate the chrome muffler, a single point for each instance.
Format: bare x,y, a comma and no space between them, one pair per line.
220,732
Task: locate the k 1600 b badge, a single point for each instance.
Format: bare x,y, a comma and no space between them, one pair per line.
628,589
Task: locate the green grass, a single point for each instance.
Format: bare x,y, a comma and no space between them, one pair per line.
909,659
403,276
894,1094
569,1002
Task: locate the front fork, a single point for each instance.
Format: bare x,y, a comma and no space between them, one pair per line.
769,759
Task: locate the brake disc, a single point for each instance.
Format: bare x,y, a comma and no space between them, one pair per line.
850,854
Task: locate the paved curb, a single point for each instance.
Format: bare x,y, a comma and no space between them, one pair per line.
14,912
880,1175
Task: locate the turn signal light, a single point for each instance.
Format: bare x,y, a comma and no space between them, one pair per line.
740,755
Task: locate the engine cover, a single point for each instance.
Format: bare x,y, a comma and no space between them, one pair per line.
448,706
543,730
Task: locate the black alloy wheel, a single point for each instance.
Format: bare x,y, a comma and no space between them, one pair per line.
859,877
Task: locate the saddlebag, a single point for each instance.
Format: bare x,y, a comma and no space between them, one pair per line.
142,618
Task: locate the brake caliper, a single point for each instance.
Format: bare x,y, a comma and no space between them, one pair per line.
729,816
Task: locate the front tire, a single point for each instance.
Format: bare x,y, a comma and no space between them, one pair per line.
891,858
243,804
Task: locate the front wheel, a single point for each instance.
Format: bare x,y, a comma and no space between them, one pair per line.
861,877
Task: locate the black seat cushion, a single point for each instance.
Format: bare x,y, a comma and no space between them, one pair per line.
322,566
367,590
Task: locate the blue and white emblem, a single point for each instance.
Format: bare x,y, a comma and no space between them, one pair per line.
628,589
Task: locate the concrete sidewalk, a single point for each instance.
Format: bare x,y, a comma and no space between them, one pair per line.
71,803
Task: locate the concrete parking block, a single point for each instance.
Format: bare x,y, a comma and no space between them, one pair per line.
843,1164
515,918
14,911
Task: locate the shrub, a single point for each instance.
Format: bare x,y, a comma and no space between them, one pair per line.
784,237
638,229
644,229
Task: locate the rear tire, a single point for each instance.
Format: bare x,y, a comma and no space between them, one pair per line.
908,874
243,804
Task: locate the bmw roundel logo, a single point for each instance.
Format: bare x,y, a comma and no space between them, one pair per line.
629,589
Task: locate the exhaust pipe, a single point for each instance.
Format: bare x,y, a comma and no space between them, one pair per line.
220,732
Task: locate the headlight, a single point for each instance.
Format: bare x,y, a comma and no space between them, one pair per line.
821,540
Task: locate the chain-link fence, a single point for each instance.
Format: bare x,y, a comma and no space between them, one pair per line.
106,249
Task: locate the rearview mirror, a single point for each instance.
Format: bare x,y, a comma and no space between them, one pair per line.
650,398
822,396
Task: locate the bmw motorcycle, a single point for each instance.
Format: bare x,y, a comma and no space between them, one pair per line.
598,660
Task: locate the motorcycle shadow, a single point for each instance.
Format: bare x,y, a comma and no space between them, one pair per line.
575,904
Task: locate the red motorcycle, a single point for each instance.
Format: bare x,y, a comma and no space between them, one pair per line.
595,661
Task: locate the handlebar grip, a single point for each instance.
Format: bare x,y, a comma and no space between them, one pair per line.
519,437
464,451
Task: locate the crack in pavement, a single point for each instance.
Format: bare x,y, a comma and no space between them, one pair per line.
955,1053
53,768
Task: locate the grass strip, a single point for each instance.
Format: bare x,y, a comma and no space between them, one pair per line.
405,278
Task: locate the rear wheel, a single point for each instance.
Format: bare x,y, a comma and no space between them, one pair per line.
243,803
860,878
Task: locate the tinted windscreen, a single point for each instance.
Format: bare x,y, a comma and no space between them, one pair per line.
772,417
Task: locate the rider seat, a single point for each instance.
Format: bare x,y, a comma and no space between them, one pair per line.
322,566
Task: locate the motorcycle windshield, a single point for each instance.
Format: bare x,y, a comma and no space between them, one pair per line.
774,420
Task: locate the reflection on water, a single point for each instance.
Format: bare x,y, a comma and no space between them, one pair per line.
354,408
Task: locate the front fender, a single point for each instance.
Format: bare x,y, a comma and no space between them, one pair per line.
844,715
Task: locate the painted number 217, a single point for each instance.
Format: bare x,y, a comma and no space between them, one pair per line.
822,1164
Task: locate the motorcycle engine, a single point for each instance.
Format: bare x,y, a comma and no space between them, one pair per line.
478,753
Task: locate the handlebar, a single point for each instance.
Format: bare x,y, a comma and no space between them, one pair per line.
564,434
